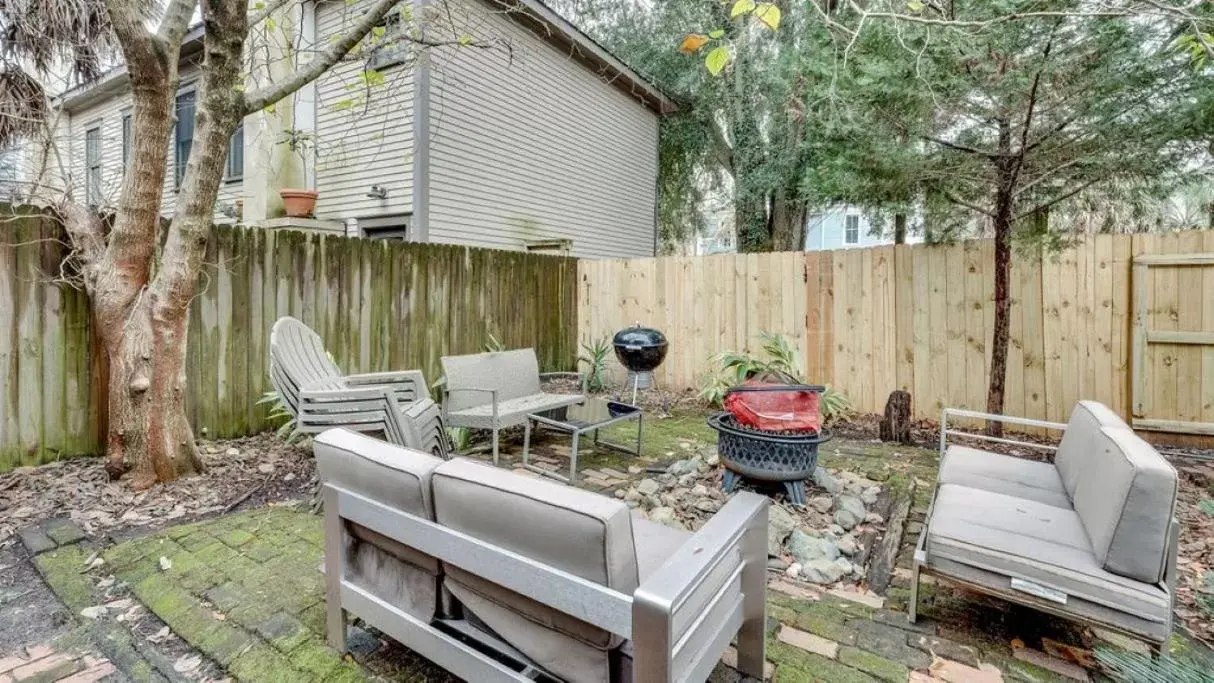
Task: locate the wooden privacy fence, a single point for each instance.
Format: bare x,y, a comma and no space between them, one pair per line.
920,318
378,305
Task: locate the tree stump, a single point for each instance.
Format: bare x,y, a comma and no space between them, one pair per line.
895,426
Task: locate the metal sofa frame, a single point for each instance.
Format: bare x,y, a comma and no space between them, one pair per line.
680,619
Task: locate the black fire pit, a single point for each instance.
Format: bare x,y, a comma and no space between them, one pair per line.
747,452
641,350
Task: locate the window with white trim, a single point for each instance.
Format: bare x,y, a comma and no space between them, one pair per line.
851,230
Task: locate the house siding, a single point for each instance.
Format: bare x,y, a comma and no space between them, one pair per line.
108,114
529,145
369,143
827,230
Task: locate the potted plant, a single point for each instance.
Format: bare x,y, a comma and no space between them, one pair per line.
299,202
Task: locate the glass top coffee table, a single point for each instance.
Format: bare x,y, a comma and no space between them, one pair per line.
591,416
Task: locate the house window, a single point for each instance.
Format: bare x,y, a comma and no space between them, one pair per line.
851,230
184,134
235,166
92,164
390,49
126,141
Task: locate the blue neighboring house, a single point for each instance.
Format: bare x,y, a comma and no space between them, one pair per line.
845,227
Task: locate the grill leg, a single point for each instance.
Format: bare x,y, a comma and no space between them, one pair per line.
796,492
732,479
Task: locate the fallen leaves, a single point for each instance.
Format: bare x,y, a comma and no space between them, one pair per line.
187,663
693,42
81,490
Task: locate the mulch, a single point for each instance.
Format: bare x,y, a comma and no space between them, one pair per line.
241,473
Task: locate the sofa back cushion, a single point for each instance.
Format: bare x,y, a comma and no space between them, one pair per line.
563,527
1125,499
514,374
1080,441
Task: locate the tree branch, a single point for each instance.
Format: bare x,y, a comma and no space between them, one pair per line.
176,21
270,7
961,148
961,202
322,62
1060,198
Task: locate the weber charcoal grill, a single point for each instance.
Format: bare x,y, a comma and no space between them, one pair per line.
641,350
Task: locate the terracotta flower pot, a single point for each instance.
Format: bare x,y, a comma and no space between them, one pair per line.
299,203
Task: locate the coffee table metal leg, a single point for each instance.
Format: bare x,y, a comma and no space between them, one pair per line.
526,440
573,459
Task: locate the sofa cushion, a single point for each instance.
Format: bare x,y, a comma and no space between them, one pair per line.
1078,445
580,532
655,543
1125,501
397,477
1035,542
1005,474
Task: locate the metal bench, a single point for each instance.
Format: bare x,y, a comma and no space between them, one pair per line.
497,390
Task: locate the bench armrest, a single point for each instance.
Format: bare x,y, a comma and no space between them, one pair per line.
447,391
715,584
994,417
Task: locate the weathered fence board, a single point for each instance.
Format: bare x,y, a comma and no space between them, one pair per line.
920,318
378,305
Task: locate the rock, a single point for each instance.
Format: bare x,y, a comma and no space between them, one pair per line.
845,565
874,518
793,570
835,530
826,481
850,511
699,491
713,459
233,453
805,548
707,505
823,571
94,612
680,467
780,524
688,480
620,493
670,500
777,563
847,545
289,476
668,480
847,519
648,487
653,502
869,495
822,504
665,516
632,504
265,468
633,469
633,495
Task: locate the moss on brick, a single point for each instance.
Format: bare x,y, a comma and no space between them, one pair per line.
262,664
876,665
316,658
815,617
62,569
794,665
236,538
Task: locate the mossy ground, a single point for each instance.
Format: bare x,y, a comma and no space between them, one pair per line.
245,589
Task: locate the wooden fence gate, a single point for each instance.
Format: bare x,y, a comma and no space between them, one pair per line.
1172,361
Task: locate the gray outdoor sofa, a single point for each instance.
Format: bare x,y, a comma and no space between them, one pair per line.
498,390
1090,537
496,576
